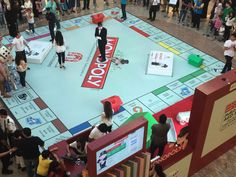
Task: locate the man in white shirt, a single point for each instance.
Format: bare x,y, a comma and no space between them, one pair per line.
7,124
230,48
19,43
155,5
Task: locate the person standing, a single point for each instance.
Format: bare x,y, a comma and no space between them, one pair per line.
228,25
155,4
123,8
21,69
230,47
8,125
52,5
19,43
60,48
106,116
5,156
3,79
184,9
159,136
101,35
197,12
29,145
51,23
30,20
86,4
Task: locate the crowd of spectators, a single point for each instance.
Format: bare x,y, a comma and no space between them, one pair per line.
188,12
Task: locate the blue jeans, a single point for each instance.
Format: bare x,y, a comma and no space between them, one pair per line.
31,26
31,165
182,15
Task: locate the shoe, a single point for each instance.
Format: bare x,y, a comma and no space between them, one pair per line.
6,95
152,20
149,18
28,31
19,167
60,66
124,19
28,68
83,8
7,172
88,8
50,40
23,168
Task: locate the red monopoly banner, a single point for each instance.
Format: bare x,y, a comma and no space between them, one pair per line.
97,72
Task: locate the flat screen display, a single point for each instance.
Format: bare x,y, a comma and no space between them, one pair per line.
119,150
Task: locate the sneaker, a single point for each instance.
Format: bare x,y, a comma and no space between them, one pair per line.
28,31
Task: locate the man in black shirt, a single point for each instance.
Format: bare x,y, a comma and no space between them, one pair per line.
101,35
29,146
6,158
51,18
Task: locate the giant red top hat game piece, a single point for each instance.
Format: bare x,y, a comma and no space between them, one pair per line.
97,18
115,101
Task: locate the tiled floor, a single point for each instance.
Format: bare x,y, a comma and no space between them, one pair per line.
224,166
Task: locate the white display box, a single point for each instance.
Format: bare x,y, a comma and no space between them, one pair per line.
160,63
39,52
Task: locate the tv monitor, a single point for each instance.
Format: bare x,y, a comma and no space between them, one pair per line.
116,147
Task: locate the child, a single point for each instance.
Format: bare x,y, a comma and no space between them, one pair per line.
30,20
19,158
21,69
217,25
44,163
230,47
60,48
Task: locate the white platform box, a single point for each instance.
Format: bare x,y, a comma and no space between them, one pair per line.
39,49
160,63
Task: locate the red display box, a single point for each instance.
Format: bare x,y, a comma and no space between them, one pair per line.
97,18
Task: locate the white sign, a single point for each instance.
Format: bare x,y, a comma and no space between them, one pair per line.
173,2
119,150
39,52
160,63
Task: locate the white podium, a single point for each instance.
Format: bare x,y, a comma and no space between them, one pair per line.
40,49
160,63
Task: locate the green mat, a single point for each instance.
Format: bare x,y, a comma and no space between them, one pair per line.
151,120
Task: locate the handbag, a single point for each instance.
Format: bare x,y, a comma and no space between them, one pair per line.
7,86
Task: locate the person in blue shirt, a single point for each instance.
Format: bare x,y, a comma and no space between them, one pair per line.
123,6
197,12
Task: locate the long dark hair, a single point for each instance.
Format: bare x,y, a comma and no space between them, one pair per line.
108,109
59,38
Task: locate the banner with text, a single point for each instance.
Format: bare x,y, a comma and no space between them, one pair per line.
97,72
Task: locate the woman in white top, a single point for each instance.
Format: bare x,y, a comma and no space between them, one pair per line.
106,116
228,25
60,48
